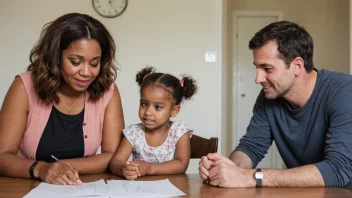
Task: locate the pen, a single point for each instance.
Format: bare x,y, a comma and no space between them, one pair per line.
52,156
57,160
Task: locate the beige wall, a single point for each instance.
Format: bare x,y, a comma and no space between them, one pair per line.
172,35
326,20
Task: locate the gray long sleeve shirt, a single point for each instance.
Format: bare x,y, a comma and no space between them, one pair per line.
319,133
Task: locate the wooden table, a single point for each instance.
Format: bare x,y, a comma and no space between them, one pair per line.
192,185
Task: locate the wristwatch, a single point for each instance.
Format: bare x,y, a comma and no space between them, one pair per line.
259,177
31,170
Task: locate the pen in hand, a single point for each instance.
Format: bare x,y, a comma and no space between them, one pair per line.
57,160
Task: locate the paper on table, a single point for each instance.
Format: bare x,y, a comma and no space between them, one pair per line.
93,189
114,188
159,188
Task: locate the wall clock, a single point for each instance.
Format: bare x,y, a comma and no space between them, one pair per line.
109,8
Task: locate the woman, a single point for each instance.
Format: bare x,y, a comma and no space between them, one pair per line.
57,114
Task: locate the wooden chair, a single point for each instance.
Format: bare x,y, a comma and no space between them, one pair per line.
201,146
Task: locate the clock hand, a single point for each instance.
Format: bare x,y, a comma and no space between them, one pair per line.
111,1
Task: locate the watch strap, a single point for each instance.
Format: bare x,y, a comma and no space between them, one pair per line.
31,170
258,179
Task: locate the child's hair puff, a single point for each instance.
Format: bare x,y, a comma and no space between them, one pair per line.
179,89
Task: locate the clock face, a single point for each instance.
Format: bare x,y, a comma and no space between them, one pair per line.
109,8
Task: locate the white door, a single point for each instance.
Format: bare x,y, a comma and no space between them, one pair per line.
245,91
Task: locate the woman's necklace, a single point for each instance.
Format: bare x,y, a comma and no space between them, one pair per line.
68,108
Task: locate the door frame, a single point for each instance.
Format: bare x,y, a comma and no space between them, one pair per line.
221,72
234,84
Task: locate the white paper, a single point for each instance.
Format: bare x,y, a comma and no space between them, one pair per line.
126,188
114,188
92,189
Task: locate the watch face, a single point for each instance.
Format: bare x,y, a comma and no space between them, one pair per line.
259,175
109,8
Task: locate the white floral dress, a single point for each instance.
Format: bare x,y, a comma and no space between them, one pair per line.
135,134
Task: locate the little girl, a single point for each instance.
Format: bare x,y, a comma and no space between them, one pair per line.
158,145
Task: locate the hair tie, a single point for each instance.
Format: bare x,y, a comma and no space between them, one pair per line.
182,82
147,75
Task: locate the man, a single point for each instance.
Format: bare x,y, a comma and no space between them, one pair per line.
307,112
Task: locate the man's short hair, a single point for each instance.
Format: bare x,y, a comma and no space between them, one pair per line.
292,41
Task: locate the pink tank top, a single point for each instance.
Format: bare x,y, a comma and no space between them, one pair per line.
39,113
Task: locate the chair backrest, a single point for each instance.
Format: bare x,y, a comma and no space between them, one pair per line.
201,146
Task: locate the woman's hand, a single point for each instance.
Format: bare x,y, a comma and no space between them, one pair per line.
59,173
130,171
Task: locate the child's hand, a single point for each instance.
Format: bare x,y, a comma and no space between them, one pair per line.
144,167
130,171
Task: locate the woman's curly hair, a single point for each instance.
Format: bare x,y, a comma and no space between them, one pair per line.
57,36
